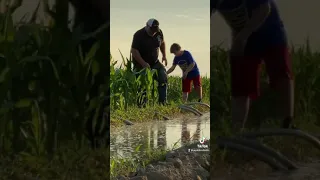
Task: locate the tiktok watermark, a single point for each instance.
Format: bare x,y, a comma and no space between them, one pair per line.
203,146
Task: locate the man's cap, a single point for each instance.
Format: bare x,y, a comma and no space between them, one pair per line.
153,23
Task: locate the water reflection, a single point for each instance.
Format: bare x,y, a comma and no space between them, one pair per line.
162,138
196,135
185,133
158,135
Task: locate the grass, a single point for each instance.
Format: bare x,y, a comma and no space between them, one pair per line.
265,110
138,115
124,88
44,85
127,165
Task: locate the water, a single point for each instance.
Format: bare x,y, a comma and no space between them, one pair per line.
158,135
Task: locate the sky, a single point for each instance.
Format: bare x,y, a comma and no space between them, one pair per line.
184,22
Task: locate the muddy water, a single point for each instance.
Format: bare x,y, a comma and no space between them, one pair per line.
158,135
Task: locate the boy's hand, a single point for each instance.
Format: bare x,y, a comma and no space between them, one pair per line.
185,74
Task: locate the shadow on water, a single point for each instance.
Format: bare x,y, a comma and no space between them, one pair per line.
158,135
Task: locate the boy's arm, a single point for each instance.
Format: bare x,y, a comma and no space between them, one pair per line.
170,70
191,63
174,64
260,12
190,67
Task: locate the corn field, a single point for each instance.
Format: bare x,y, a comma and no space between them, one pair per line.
306,66
124,86
44,85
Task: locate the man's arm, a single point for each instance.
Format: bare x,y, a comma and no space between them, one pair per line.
260,12
163,49
135,52
163,46
170,70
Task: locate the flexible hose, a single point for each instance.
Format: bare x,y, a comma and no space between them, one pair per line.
260,155
163,116
191,109
284,132
199,103
262,148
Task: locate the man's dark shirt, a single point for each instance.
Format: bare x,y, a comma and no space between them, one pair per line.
148,46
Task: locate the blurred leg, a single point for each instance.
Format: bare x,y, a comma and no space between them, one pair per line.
162,82
245,86
198,87
278,65
186,89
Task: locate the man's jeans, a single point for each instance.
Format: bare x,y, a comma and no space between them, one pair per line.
162,79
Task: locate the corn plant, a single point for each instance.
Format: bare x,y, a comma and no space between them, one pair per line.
44,88
124,85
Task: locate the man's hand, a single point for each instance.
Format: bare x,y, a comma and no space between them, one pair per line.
145,65
185,74
164,59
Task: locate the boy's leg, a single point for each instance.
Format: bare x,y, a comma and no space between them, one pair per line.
186,89
185,97
244,86
198,87
279,68
162,79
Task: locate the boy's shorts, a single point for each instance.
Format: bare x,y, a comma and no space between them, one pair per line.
245,71
186,83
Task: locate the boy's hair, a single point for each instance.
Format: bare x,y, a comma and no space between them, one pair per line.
175,47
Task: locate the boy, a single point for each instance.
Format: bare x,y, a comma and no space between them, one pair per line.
257,34
189,69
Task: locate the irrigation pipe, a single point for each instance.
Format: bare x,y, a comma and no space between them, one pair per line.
262,148
163,116
198,103
245,142
245,149
283,132
127,122
191,109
